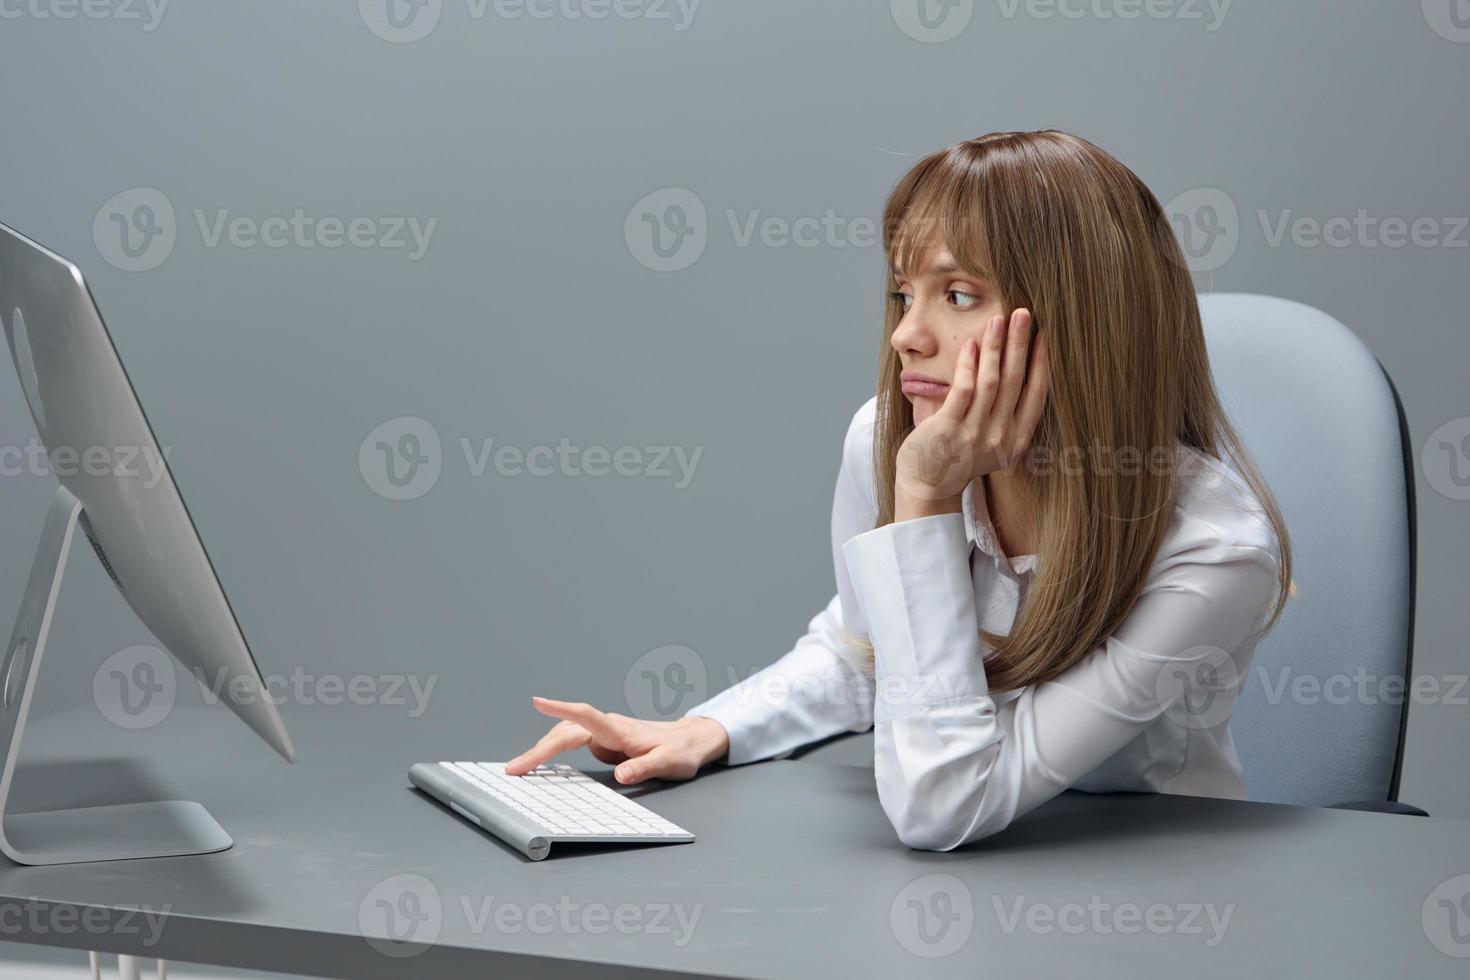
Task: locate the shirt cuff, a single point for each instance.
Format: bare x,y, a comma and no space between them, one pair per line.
744,727
912,580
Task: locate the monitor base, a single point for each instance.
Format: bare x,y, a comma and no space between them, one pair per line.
165,828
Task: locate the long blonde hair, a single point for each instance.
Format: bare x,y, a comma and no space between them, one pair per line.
1066,231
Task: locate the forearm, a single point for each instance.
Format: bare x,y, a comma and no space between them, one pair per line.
810,694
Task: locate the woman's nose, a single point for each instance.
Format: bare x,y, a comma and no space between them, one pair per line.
912,336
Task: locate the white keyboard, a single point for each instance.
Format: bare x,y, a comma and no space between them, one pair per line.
547,804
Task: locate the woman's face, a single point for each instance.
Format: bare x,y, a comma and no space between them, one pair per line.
943,307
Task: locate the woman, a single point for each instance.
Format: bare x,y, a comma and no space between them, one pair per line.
1054,559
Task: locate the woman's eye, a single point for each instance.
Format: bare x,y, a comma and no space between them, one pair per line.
902,299
962,299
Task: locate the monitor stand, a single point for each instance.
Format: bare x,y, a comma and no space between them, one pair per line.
162,828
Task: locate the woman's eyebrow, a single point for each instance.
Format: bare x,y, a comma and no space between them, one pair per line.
943,269
947,267
933,270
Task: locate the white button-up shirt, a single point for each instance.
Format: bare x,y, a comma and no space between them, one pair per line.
1146,710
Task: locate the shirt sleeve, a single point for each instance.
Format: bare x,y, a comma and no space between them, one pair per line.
815,690
951,765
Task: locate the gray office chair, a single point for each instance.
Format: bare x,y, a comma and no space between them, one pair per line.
1324,424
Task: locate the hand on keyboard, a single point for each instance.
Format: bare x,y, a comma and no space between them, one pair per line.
639,749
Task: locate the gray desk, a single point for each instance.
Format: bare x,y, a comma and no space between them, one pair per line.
796,873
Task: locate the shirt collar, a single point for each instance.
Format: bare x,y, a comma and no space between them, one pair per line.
981,533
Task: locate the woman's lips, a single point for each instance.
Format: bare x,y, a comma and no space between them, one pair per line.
917,385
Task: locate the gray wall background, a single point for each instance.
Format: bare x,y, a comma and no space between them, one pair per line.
530,318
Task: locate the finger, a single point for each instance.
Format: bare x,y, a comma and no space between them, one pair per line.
604,754
659,762
562,738
1013,366
603,728
962,385
1033,399
987,373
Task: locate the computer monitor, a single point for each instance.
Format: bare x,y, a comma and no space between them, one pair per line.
138,527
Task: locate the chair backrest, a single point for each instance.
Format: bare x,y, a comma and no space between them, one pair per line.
1320,719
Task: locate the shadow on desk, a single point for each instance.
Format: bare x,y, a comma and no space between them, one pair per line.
84,782
1076,817
58,785
1094,819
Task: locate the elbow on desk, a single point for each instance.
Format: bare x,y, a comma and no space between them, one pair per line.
940,831
941,778
928,814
